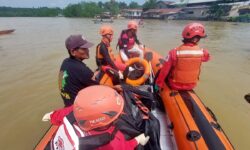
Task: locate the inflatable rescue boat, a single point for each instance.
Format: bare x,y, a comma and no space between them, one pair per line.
186,123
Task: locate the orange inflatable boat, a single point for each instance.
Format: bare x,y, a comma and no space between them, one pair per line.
194,125
186,123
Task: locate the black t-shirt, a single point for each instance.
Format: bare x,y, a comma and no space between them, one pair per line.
74,75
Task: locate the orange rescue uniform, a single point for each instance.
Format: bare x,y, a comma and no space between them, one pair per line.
182,67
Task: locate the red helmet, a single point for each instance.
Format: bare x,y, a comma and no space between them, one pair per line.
132,25
97,106
193,29
106,29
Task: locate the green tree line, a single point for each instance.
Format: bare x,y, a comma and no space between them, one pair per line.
82,9
90,9
29,12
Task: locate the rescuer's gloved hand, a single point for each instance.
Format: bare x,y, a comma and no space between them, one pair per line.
118,88
141,139
141,46
46,117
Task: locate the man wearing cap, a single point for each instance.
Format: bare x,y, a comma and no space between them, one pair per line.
74,74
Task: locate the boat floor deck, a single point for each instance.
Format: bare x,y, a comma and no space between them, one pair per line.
166,137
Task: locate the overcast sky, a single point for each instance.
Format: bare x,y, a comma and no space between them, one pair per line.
50,3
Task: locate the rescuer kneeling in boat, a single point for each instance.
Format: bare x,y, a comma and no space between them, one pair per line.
74,74
182,67
91,122
104,55
128,42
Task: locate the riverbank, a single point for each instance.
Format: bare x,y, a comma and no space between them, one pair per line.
241,18
203,11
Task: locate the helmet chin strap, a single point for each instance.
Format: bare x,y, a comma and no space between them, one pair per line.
195,40
105,36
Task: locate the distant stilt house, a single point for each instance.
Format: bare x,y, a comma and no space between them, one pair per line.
196,3
244,10
194,9
197,9
239,8
131,13
164,4
183,9
151,14
163,10
239,12
195,12
166,13
171,13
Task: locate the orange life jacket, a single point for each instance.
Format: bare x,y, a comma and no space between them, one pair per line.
188,62
99,56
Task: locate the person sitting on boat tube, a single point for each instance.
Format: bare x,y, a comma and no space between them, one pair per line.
183,64
91,122
74,74
104,55
128,42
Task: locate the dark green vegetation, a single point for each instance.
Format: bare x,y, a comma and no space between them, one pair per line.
150,4
29,12
216,11
90,9
83,9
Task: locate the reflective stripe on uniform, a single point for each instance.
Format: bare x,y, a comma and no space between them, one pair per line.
79,130
72,133
189,52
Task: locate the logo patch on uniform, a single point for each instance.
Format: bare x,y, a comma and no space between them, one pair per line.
65,75
59,143
62,79
97,120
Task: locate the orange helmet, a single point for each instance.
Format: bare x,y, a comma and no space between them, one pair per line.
106,29
132,25
193,29
97,106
